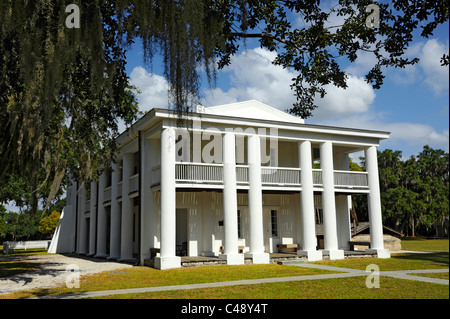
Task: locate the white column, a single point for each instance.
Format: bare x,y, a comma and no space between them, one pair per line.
83,232
255,202
309,241
341,162
126,242
114,242
329,203
168,258
231,253
101,217
208,221
374,204
146,199
93,219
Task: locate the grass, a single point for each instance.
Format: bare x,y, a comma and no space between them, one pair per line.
137,277
339,288
423,244
396,262
342,288
11,264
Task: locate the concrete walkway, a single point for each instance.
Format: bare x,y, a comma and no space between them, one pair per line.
344,273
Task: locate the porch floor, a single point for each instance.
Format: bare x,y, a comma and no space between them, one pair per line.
193,261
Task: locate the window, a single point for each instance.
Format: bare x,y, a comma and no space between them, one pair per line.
135,163
274,222
239,223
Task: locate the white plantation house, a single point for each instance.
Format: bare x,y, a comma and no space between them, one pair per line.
232,182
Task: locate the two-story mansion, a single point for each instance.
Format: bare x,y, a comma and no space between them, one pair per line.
232,181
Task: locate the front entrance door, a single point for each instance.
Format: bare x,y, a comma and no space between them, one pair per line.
267,230
181,232
270,223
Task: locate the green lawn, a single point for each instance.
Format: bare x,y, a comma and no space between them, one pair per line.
340,288
347,288
423,244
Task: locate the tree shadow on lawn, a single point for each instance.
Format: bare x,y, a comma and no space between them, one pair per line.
439,258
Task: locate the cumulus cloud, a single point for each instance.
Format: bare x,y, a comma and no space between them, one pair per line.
253,76
356,98
436,76
409,137
428,70
153,89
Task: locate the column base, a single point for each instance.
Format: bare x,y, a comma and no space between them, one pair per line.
100,256
334,254
381,253
311,255
233,259
113,257
164,263
259,258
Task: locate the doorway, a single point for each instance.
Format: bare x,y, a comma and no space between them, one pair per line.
270,224
181,232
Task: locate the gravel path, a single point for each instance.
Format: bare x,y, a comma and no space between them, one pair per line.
53,271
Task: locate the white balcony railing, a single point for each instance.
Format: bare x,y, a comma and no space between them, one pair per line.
317,177
134,183
107,194
201,173
280,175
346,179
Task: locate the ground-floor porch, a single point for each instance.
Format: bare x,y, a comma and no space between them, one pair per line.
284,258
135,229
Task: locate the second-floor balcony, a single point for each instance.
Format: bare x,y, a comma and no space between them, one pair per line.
211,175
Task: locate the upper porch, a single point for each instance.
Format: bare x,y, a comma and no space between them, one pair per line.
203,175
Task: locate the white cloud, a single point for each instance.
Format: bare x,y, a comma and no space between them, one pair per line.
153,89
436,76
409,137
428,70
356,98
253,76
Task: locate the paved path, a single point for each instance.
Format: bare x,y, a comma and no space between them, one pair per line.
344,273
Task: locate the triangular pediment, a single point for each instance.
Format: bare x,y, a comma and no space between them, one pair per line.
253,109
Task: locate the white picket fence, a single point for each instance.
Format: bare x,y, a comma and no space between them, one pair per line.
32,244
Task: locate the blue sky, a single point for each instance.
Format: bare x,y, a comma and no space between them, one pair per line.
413,103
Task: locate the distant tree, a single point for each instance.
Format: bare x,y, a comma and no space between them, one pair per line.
19,226
47,225
414,192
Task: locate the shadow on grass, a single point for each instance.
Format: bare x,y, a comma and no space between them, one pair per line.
13,268
438,258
